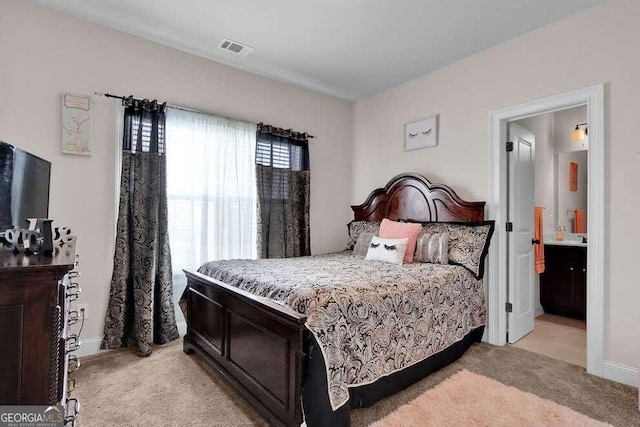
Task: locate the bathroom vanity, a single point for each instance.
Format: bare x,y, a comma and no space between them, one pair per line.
563,285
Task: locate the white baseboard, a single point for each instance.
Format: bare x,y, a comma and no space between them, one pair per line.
539,311
620,373
90,346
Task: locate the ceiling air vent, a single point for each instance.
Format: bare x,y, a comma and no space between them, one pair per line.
235,47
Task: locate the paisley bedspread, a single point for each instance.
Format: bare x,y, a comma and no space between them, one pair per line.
370,318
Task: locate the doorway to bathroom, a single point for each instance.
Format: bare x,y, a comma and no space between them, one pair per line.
548,244
511,304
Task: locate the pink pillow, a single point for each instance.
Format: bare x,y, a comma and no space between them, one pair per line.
401,230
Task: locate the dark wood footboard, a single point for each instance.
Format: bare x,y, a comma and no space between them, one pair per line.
256,344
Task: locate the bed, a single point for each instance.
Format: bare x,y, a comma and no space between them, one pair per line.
245,317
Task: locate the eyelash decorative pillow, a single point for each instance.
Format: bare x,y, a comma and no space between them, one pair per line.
387,250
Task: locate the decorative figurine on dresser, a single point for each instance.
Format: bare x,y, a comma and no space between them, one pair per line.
38,282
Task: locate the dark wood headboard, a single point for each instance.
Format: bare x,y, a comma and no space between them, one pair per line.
412,197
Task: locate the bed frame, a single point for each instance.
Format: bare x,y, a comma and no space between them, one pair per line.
258,345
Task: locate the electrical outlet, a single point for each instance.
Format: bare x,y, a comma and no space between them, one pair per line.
84,307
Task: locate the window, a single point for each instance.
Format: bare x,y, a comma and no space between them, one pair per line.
211,190
280,155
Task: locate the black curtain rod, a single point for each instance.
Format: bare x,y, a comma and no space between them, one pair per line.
109,95
124,98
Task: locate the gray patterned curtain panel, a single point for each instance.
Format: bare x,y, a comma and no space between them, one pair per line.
282,173
141,309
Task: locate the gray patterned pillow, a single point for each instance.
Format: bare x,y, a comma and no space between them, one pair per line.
433,248
468,242
358,227
362,244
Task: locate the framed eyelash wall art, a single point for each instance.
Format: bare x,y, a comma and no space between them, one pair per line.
421,133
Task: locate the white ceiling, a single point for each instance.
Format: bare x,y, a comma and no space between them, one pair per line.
345,48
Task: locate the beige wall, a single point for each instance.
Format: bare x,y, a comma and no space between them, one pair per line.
597,45
45,53
567,150
569,201
564,122
553,137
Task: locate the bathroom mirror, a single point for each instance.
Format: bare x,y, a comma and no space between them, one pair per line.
571,191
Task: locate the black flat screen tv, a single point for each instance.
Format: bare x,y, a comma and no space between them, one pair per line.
24,187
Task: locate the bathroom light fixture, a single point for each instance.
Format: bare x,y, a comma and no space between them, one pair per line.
579,134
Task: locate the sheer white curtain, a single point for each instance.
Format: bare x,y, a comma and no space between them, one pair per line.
211,185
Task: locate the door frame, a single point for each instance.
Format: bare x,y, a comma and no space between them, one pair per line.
594,98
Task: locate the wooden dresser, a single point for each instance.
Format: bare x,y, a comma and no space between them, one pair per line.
36,347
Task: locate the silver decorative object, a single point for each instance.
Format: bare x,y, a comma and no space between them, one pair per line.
36,240
63,236
21,240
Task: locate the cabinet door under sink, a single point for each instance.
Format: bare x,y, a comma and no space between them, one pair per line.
563,284
557,290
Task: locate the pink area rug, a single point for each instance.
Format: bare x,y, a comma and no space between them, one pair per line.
468,399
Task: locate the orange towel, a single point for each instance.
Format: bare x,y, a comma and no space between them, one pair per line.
573,176
580,221
538,233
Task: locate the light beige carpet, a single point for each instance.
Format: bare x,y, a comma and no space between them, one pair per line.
172,389
474,400
557,341
168,388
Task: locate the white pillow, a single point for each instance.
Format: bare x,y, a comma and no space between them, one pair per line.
387,250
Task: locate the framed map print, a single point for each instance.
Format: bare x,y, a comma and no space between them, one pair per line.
76,124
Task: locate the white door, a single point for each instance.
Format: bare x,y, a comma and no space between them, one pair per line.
521,198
